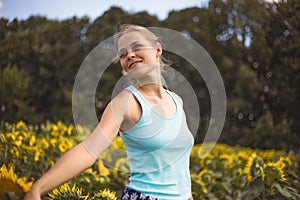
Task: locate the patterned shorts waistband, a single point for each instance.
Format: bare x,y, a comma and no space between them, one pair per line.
131,194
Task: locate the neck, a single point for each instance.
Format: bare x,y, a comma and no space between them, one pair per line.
154,90
151,85
152,77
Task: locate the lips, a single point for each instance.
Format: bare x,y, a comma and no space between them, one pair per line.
132,65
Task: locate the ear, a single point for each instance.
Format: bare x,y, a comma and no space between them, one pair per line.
158,50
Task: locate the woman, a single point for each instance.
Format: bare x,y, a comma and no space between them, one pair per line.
151,122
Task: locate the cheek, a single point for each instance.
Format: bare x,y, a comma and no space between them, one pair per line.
153,57
122,63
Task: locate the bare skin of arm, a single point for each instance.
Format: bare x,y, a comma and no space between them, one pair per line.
83,155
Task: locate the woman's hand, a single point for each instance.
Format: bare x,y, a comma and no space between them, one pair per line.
32,195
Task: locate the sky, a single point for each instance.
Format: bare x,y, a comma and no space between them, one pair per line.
65,9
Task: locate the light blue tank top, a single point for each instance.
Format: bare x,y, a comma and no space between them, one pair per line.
158,149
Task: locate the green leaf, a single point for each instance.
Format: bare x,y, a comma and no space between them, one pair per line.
253,192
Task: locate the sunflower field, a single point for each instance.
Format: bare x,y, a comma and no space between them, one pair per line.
222,172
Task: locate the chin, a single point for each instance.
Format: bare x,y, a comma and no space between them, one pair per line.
137,71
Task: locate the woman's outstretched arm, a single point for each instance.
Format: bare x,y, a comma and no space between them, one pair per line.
83,155
69,165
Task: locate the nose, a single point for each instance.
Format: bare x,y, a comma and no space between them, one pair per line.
131,54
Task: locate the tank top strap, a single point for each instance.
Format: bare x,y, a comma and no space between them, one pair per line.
141,99
175,99
144,103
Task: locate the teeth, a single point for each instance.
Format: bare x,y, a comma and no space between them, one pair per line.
133,63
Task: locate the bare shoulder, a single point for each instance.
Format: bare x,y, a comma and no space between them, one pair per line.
124,102
123,95
123,98
119,101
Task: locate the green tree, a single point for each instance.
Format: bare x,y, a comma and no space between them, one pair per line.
275,55
268,135
51,53
59,47
254,44
14,101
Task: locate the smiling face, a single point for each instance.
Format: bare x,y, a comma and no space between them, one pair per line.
134,50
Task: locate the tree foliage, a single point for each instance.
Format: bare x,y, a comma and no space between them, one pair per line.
254,44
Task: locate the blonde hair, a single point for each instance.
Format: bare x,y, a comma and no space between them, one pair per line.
151,37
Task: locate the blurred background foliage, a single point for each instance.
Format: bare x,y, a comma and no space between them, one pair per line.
256,46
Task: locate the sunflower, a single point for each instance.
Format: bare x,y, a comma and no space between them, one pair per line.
19,140
118,142
70,130
54,130
254,167
32,140
198,183
243,156
227,160
39,153
207,161
284,162
15,151
207,176
121,170
21,125
10,183
88,177
65,192
105,194
103,171
64,144
274,172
